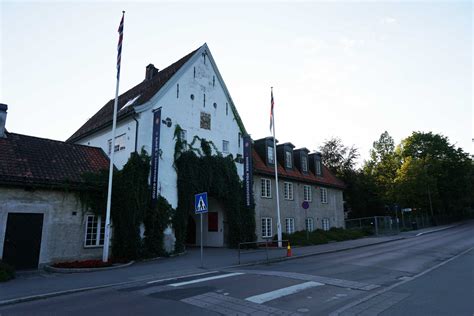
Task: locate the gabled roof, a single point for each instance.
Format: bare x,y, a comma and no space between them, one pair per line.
144,91
327,179
38,162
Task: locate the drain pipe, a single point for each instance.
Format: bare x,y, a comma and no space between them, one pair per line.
136,131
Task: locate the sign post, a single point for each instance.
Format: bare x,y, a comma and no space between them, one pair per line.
200,207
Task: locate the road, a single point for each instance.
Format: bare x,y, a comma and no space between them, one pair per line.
430,274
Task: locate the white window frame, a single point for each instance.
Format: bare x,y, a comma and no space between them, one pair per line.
290,225
324,195
266,188
97,230
266,227
270,154
225,146
289,159
325,223
304,163
288,190
309,224
307,193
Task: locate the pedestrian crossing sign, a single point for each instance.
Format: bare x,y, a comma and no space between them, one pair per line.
200,203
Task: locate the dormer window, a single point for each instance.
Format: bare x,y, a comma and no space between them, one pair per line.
288,160
318,167
304,163
270,155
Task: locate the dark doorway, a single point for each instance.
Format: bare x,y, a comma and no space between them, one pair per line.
191,232
22,244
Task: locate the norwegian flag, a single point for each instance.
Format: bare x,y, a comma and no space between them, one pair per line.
119,45
271,111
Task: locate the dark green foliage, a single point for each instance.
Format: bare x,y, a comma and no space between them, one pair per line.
156,220
7,272
217,176
131,206
318,236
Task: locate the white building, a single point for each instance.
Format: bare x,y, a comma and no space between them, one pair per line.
190,93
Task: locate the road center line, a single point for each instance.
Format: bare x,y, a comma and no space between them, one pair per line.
181,277
269,296
206,279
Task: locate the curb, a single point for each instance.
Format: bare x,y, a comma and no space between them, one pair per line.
436,230
309,254
84,270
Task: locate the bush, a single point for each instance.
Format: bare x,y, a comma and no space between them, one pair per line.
7,272
319,236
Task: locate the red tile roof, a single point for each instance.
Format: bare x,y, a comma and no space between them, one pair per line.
328,179
144,91
33,161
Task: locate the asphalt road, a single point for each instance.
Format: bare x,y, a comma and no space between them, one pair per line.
431,274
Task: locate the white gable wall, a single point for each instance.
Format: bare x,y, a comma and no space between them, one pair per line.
182,110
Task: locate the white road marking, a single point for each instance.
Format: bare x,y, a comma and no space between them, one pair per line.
181,277
269,296
206,279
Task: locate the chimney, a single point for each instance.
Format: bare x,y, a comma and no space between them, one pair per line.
150,72
3,119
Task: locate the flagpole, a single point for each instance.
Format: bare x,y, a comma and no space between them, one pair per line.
276,180
105,254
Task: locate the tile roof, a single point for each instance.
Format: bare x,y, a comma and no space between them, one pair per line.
32,161
144,90
328,179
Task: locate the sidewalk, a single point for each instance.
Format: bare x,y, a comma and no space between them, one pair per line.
35,285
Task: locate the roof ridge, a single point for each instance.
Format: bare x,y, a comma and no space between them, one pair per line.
54,140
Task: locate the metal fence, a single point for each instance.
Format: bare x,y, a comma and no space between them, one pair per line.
387,225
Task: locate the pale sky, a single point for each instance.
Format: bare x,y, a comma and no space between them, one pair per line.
345,69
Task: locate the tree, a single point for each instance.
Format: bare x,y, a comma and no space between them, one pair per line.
338,158
433,169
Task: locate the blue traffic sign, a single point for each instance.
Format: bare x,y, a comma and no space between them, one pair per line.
200,203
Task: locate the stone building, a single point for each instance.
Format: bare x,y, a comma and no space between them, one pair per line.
41,217
190,93
310,195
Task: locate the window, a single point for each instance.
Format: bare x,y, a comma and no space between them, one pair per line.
266,188
325,224
226,108
324,195
271,159
307,193
212,222
266,227
183,136
213,81
225,146
288,190
204,101
95,230
119,143
288,159
177,91
309,223
304,163
205,120
318,167
290,225
238,139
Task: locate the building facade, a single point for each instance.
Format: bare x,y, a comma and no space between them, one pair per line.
310,195
41,217
190,94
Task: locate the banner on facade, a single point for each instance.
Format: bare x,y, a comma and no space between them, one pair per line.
248,179
155,154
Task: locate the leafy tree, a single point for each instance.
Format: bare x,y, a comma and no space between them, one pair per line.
338,158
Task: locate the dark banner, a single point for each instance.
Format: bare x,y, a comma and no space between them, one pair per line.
155,154
248,169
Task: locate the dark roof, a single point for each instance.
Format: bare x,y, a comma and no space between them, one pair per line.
327,179
145,90
32,161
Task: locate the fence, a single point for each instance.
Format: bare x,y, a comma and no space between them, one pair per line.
254,250
387,225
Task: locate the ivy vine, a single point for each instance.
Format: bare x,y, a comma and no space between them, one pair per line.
216,175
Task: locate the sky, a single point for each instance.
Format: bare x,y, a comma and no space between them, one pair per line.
339,69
